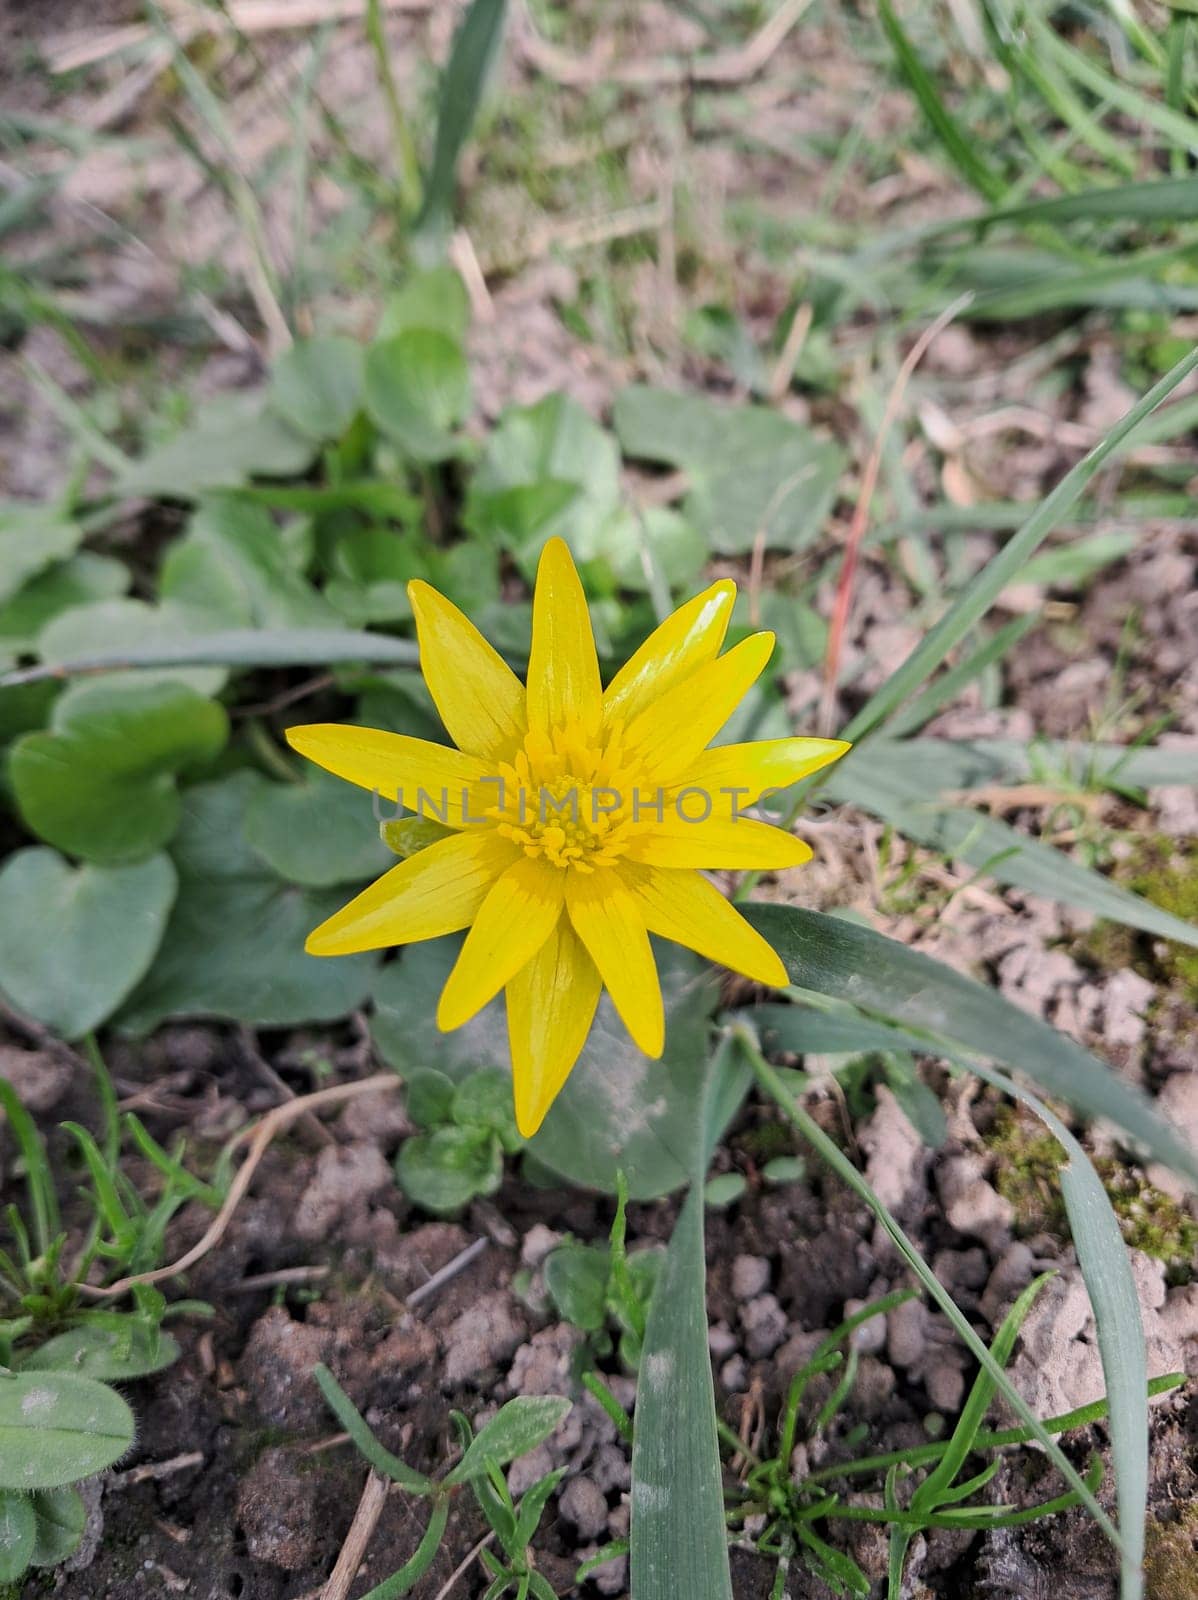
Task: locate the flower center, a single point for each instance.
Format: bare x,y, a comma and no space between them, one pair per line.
566,799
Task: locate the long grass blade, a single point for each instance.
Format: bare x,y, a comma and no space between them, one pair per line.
1003,568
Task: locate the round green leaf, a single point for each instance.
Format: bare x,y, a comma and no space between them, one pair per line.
317,386
61,1518
74,941
234,945
112,626
32,538
443,1171
56,1428
319,833
18,1535
418,390
101,782
84,578
576,1277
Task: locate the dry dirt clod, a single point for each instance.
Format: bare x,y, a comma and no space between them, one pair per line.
584,1504
39,1079
483,1337
278,1508
765,1326
276,1367
750,1277
345,1178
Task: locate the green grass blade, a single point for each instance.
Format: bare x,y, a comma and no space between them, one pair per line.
959,146
677,1543
945,689
1106,1271
849,962
1004,567
997,849
973,763
844,1169
474,47
39,1179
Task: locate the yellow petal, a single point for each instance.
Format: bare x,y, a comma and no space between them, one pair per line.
480,698
685,907
513,922
751,769
436,891
733,844
686,640
563,670
605,917
550,1007
669,735
432,779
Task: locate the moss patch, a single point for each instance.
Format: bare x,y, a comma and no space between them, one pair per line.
1171,1558
1028,1161
1164,871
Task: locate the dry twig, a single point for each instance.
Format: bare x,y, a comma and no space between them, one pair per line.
361,1531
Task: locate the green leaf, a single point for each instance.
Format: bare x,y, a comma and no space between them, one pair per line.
435,298
444,1170
548,469
318,833
576,1278
74,941
112,1354
56,1428
83,579
32,538
429,1099
234,945
842,959
484,1100
993,846
228,441
403,1028
61,1518
101,782
418,391
18,1535
191,660
126,632
474,48
1110,1284
516,1428
981,763
232,564
316,386
726,1188
751,470
677,1543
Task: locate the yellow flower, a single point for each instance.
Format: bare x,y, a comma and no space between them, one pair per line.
579,818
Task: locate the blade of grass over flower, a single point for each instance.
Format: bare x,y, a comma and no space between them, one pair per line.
849,962
1003,568
1106,1271
678,1545
847,1172
234,647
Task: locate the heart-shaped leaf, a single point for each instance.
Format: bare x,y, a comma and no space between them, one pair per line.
77,582
61,1518
234,945
115,630
317,386
74,941
101,782
232,563
57,1427
418,390
318,833
753,472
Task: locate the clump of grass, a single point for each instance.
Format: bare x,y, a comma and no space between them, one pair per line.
1027,1167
